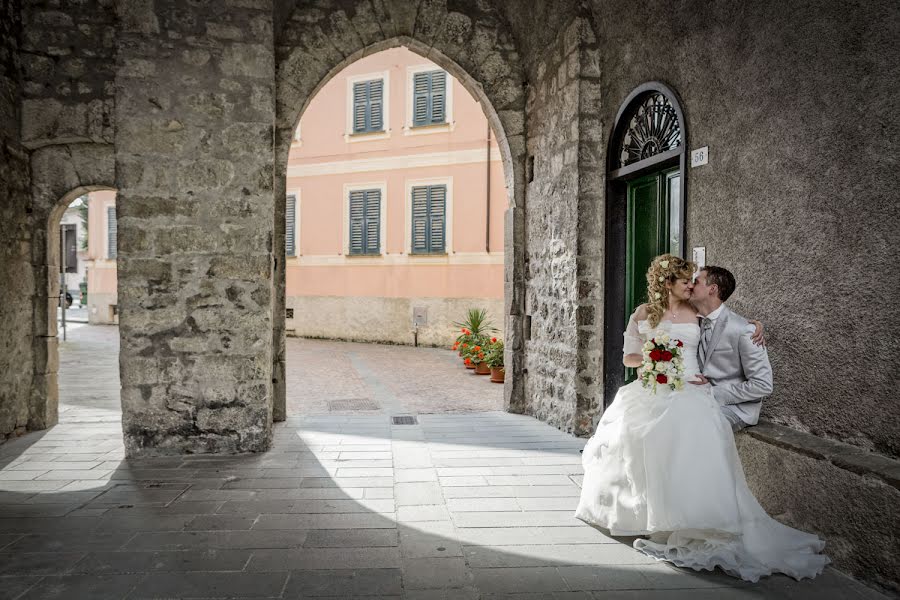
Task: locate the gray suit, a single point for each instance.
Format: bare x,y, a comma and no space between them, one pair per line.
738,370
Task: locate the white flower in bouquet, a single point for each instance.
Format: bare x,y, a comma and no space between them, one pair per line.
661,367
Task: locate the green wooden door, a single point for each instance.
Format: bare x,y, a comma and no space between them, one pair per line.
653,228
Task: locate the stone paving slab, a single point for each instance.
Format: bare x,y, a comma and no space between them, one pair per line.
470,506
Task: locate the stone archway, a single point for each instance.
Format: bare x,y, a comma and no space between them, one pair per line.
476,49
60,173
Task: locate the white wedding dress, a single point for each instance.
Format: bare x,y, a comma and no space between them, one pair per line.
665,465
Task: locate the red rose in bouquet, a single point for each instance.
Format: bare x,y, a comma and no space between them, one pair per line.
655,355
666,355
660,378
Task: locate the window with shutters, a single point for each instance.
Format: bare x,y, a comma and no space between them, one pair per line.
364,211
429,98
290,226
111,232
368,106
428,205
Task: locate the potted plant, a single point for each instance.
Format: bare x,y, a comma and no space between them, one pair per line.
463,345
474,354
473,332
494,359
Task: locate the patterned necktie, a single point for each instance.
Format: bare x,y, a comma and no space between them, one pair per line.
705,335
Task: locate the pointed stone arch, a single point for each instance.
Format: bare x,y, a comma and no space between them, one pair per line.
475,47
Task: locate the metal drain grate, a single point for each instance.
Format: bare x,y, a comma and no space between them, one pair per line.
352,404
404,420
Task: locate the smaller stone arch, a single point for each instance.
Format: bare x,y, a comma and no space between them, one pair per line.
59,175
649,134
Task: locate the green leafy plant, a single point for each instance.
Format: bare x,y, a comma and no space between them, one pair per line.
494,355
476,323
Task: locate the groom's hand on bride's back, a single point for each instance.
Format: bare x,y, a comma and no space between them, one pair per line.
701,380
757,337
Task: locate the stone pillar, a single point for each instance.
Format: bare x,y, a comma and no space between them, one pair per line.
194,171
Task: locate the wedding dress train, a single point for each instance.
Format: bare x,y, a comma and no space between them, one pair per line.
665,465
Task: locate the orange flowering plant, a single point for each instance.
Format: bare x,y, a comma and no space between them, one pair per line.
475,351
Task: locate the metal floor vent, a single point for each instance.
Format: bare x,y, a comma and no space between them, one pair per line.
404,420
352,404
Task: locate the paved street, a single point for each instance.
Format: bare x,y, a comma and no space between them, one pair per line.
462,505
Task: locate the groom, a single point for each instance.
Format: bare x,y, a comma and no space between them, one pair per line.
738,370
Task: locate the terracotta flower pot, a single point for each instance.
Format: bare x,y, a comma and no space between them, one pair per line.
498,374
482,369
468,365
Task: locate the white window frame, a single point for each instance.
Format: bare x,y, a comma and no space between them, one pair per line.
351,137
296,194
382,225
407,218
449,125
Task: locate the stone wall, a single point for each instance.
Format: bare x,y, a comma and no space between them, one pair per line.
68,59
797,103
857,514
387,320
194,117
16,358
563,260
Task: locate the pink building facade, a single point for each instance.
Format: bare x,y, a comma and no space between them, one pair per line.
396,200
100,258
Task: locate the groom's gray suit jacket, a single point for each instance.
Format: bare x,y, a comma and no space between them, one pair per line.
738,370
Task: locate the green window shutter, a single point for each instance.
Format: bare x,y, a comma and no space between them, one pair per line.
373,222
437,212
438,97
421,93
376,97
290,220
429,98
419,220
112,233
357,221
368,105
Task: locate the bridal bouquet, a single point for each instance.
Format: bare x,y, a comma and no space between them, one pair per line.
663,363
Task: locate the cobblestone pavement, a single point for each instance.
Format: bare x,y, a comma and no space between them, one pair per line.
458,506
398,379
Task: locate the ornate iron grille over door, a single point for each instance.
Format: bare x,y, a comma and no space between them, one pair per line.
652,130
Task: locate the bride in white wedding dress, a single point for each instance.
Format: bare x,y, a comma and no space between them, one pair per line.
664,464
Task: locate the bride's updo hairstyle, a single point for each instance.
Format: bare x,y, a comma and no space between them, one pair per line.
664,268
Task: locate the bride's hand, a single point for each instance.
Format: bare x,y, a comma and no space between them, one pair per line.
758,338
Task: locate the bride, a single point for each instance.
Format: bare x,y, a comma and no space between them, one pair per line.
663,462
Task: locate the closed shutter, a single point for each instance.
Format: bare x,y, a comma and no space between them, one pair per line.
360,104
373,222
368,104
437,209
290,222
429,98
438,97
111,233
420,219
421,93
376,95
357,221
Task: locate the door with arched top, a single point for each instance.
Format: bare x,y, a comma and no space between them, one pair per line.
645,210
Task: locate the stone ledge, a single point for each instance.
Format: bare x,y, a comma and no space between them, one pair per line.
844,456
